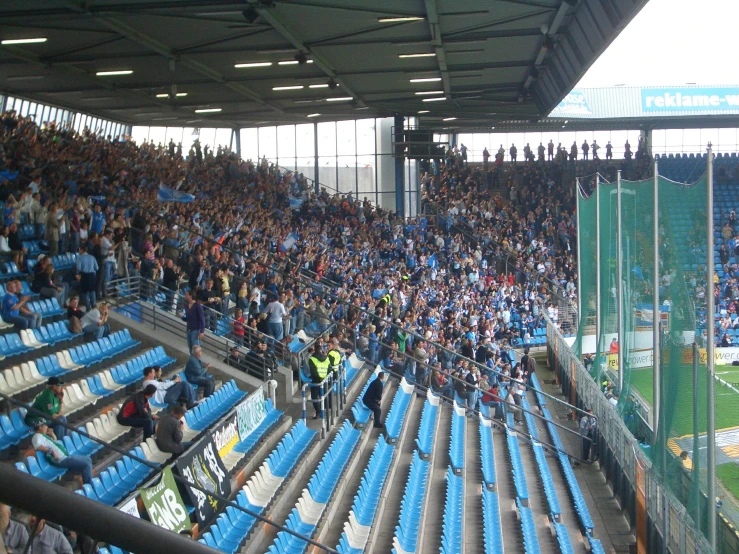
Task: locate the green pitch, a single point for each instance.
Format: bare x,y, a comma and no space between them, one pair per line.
727,399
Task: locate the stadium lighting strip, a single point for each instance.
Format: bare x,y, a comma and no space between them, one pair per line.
116,72
252,64
429,55
10,41
429,92
425,79
339,99
313,115
323,85
166,95
449,119
399,19
291,87
423,111
208,110
434,99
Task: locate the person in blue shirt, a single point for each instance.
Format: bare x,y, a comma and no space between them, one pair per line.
15,311
98,220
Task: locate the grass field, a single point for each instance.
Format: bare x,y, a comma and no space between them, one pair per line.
727,400
728,474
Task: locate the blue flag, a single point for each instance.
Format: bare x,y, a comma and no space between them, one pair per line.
167,194
432,263
637,271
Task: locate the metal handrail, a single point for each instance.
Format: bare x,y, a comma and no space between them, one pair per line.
179,479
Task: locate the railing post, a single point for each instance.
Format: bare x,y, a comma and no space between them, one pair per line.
302,393
323,412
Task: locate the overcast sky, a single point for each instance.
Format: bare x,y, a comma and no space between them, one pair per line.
673,42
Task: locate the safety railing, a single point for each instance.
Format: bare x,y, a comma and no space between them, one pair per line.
164,310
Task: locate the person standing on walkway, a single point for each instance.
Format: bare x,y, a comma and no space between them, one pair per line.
195,318
372,398
87,268
587,433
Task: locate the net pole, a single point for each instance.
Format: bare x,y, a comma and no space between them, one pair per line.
619,287
696,428
579,260
597,268
656,374
710,329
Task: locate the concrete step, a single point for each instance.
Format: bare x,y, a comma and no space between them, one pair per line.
509,523
473,526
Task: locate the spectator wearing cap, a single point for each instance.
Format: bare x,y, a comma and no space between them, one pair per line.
136,412
372,398
45,441
50,403
196,372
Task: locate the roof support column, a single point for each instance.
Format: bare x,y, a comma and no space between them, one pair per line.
399,165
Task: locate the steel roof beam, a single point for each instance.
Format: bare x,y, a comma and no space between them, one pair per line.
438,44
293,39
167,52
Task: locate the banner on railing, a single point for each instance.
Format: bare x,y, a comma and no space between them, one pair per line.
164,504
289,242
167,194
250,413
201,465
226,436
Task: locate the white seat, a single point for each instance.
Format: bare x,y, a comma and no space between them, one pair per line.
5,388
65,360
188,433
302,336
35,372
100,430
91,430
159,456
85,386
29,339
356,533
27,375
4,324
73,399
255,497
107,380
355,362
308,509
12,381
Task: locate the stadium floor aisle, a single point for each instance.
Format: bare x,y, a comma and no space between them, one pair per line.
613,529
393,494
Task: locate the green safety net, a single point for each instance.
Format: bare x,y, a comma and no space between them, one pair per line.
682,282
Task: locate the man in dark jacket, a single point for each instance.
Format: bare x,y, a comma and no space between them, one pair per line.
169,432
260,362
136,412
372,398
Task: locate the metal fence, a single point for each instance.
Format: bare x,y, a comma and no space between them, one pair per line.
662,523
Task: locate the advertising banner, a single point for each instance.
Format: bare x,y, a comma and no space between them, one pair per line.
201,465
250,413
706,99
721,356
164,504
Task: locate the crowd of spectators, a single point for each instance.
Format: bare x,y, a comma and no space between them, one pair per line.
494,250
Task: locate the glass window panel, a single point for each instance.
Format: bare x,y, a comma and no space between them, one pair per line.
268,143
618,140
138,133
18,105
727,140
691,140
366,174
327,139
346,143
480,141
223,139
304,141
249,143
157,134
207,137
188,138
533,139
366,140
286,145
327,173
347,174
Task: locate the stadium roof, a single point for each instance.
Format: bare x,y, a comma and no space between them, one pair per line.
162,62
